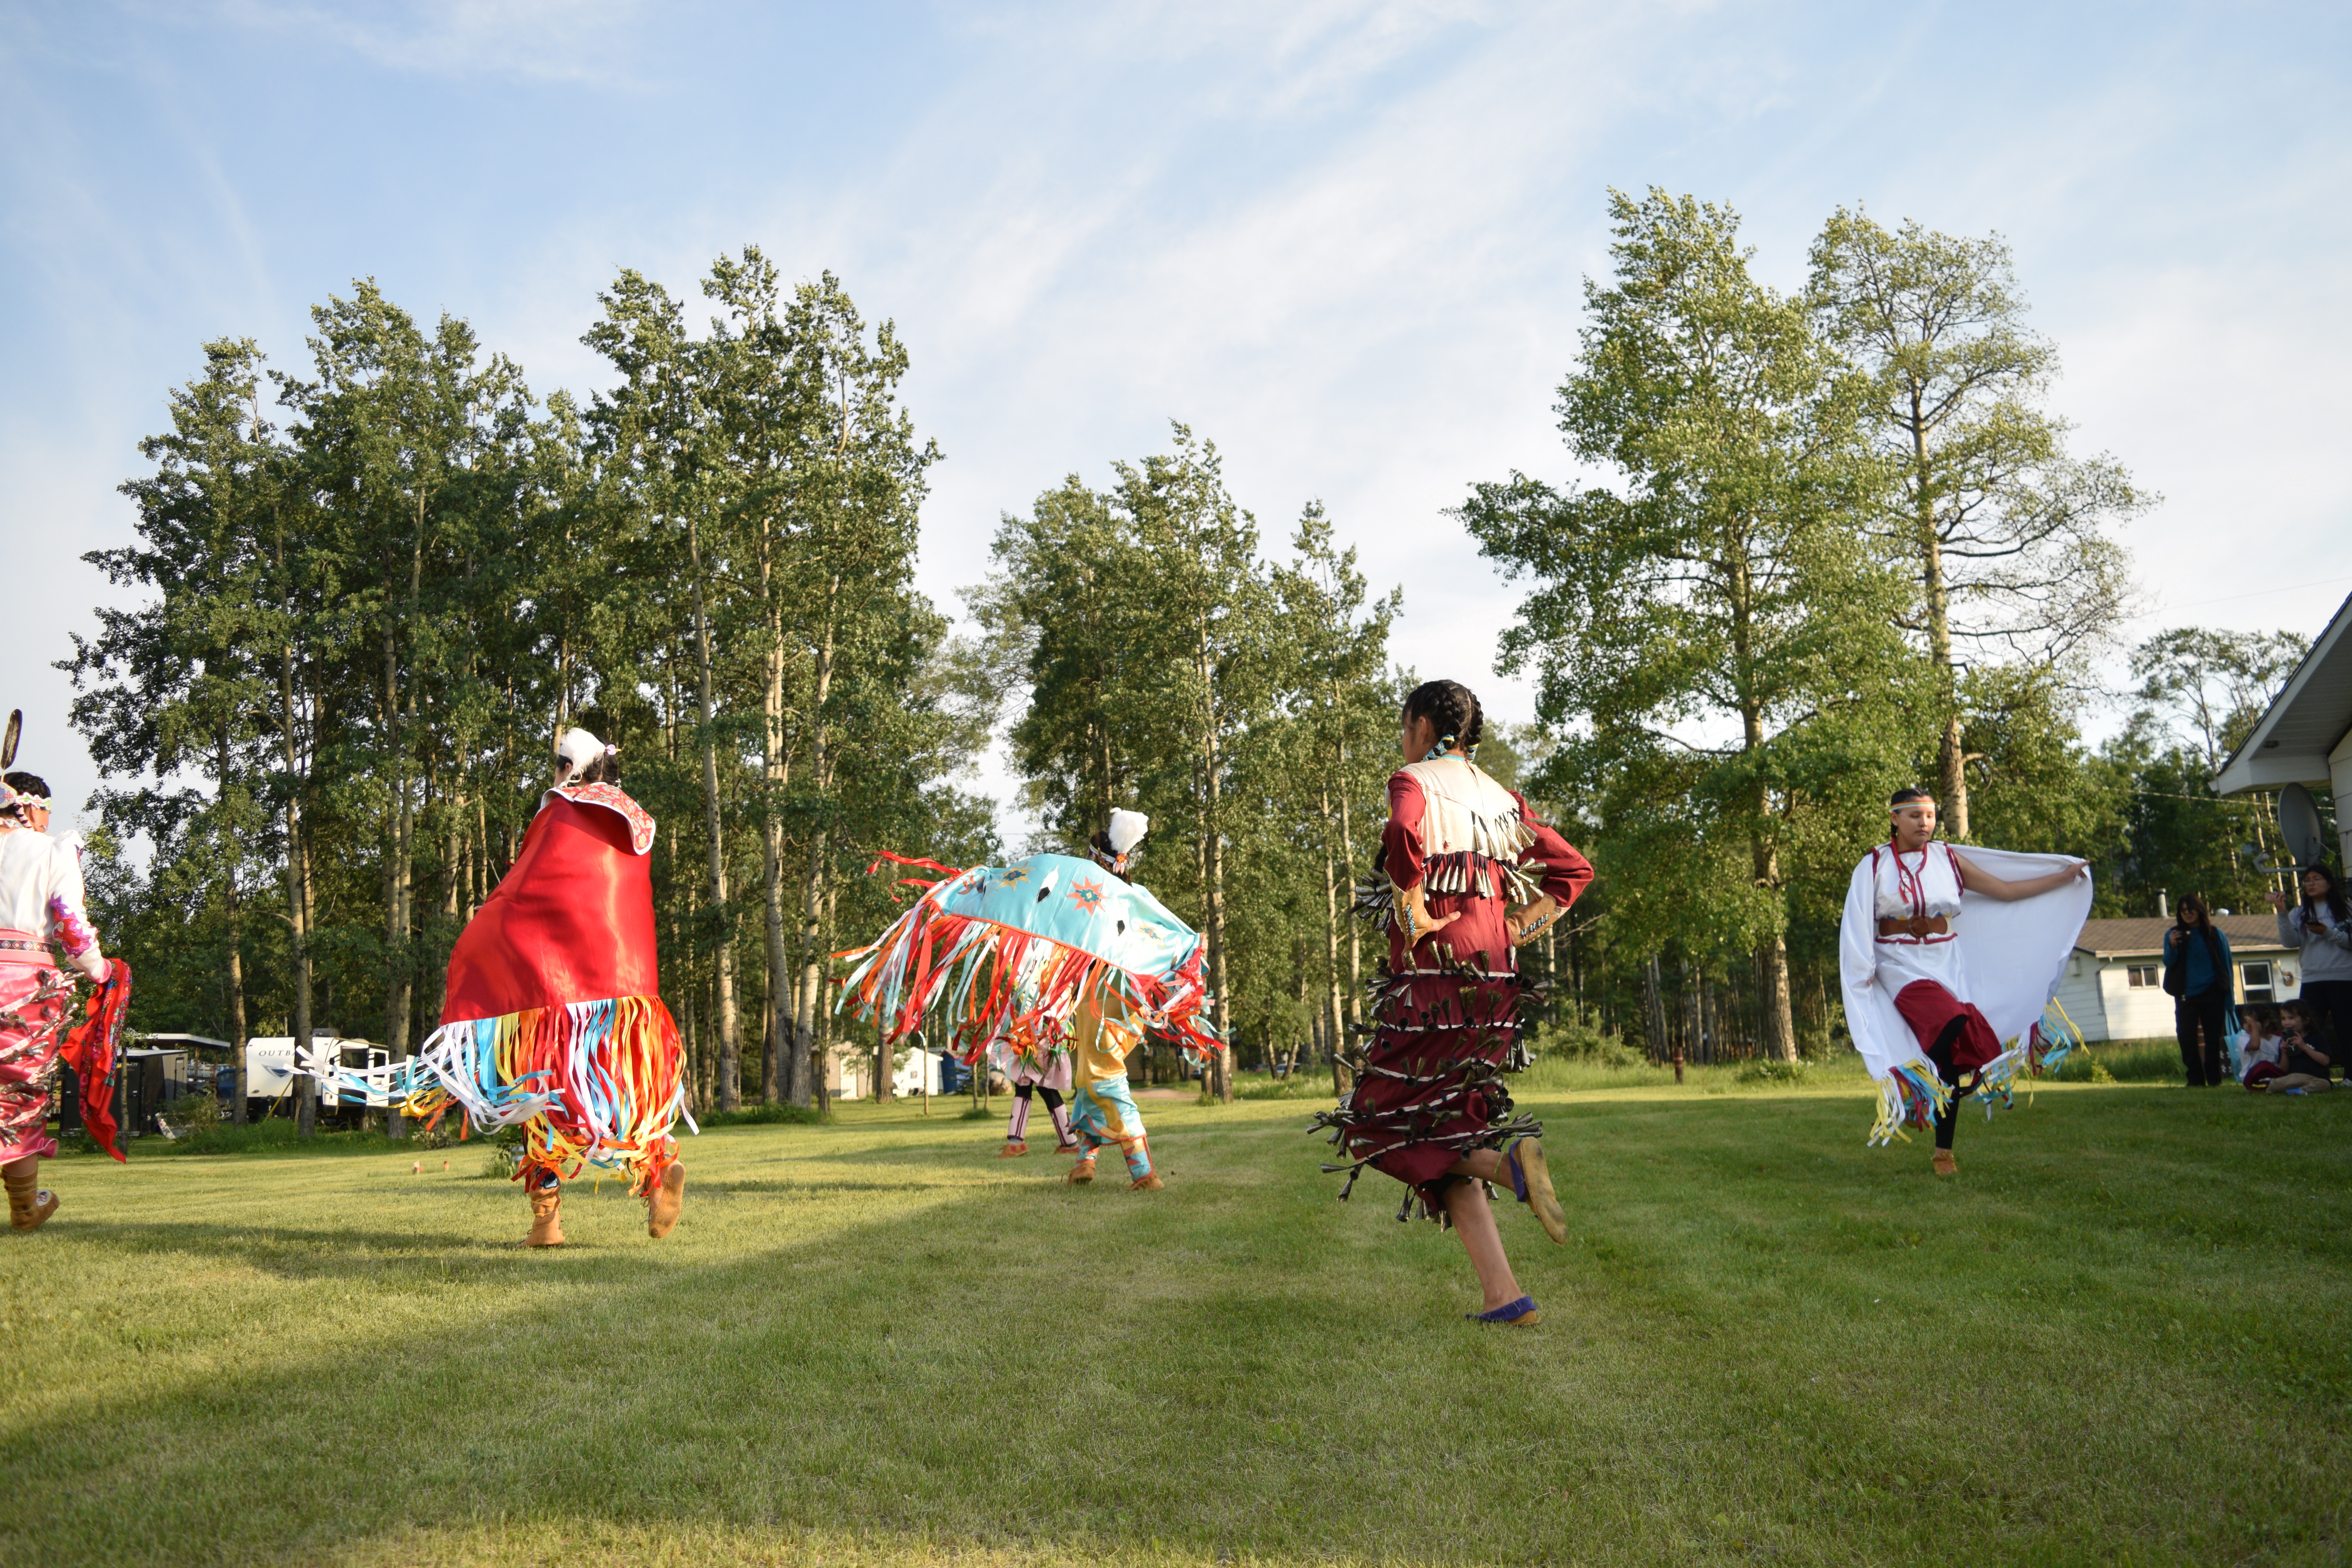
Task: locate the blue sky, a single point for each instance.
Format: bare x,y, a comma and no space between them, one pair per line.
1343,240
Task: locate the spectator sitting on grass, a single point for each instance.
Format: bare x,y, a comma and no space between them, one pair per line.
2306,1063
2260,1059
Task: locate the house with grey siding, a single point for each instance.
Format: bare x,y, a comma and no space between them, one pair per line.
2114,984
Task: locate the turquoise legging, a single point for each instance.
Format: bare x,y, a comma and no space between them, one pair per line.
1104,1112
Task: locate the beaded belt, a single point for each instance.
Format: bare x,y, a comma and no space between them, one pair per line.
30,947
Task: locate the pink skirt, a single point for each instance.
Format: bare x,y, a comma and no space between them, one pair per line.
36,1010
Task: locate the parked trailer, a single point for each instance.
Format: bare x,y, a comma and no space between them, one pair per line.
270,1077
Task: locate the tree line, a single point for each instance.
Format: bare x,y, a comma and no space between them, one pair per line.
376,590
1831,540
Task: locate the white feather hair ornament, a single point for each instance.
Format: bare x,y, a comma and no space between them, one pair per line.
1127,830
574,750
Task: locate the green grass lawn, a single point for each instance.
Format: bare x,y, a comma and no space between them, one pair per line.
2118,1336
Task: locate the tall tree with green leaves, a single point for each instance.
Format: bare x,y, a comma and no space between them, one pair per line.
2007,534
2200,692
177,683
1208,616
655,459
858,479
1712,640
1057,612
1329,654
407,444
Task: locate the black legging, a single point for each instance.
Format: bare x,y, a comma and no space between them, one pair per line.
2329,1004
1052,1097
1940,1053
2189,1015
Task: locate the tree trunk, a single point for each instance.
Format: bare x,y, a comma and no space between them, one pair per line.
1331,919
1348,871
298,900
822,1056
1653,1011
1951,761
232,899
731,1045
815,963
1772,957
792,1080
1213,868
396,873
1772,966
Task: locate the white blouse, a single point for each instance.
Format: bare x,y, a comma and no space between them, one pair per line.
1903,886
34,869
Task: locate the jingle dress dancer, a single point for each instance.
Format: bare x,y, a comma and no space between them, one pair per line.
1943,956
1465,876
42,921
1049,954
554,1019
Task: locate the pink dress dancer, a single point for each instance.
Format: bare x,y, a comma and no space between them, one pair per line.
1050,1080
42,923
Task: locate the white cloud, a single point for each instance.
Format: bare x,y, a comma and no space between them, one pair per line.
584,41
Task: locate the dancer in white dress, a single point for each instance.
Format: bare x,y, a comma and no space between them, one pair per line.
1945,955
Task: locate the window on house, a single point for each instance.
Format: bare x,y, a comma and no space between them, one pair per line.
2258,981
2140,974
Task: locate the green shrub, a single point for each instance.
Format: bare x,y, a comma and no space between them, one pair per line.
1771,1070
440,1135
1573,1040
193,1115
2122,1061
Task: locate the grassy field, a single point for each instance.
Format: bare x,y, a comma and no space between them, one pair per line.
2118,1336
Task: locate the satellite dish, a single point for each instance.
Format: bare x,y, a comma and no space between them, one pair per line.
2298,821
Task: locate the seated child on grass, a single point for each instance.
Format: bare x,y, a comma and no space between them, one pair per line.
2306,1064
2260,1059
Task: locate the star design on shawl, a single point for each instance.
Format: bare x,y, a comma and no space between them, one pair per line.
1088,896
1014,876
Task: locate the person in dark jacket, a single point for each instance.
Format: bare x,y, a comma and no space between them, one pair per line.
2196,972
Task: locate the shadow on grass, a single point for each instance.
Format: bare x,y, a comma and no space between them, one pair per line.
1765,1340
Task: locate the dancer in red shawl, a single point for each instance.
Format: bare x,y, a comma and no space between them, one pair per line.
554,1020
42,921
1465,876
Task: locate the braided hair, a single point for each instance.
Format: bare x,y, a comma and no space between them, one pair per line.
1454,709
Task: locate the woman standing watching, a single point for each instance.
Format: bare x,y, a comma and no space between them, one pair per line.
2322,928
2196,973
1469,874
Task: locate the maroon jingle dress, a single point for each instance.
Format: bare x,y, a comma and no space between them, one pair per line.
1445,1010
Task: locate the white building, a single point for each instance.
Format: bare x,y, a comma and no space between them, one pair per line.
2305,738
2114,984
918,1073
